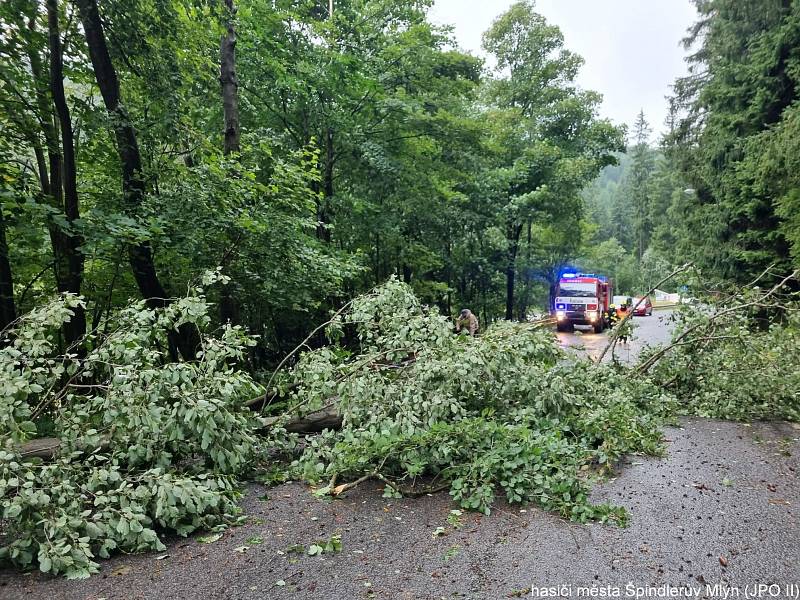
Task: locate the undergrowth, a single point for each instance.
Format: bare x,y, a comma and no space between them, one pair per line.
503,413
146,445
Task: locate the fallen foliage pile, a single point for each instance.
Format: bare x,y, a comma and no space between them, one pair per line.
500,413
738,359
145,444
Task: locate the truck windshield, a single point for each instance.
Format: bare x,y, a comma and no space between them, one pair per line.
578,290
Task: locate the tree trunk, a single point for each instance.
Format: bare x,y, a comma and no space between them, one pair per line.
511,267
65,251
377,271
8,311
140,255
449,276
325,418
323,206
525,298
72,273
230,85
228,307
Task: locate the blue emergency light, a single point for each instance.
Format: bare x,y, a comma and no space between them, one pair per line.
561,306
569,275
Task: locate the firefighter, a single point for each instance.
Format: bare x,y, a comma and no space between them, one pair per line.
622,324
467,320
611,314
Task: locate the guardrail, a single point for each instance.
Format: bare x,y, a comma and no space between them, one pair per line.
663,306
543,322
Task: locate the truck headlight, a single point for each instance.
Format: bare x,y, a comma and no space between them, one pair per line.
591,315
560,315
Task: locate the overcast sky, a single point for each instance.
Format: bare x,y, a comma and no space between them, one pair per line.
631,47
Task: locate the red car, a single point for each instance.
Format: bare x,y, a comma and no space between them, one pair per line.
644,309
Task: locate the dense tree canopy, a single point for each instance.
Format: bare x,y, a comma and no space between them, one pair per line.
309,155
733,140
720,189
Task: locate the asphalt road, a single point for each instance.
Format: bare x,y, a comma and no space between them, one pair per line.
653,330
722,507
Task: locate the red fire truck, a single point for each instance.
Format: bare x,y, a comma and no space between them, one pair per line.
582,299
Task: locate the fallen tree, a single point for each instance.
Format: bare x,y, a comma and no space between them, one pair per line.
614,336
737,357
426,417
314,422
142,444
705,328
410,405
499,413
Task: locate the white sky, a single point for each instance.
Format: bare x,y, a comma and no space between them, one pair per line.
631,47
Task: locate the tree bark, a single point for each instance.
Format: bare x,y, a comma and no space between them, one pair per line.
140,255
326,418
8,311
514,231
228,306
553,286
72,275
230,85
133,185
522,314
324,204
45,120
66,257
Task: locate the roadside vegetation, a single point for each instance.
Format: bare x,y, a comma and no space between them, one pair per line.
233,235
141,445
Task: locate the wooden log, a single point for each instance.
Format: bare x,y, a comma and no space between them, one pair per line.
325,418
314,422
45,448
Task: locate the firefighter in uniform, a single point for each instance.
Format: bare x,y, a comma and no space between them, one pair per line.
623,325
611,314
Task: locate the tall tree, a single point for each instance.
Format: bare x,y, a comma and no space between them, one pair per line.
230,111
140,254
227,77
34,94
637,185
742,87
560,144
8,309
72,275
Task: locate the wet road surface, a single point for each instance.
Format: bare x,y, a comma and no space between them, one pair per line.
653,330
723,507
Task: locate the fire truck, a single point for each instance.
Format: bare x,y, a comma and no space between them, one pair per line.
582,299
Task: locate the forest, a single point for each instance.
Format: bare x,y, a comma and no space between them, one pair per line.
194,191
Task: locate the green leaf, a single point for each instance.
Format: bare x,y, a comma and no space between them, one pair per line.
45,564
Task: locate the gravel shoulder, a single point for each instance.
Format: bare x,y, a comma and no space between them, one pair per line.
721,507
